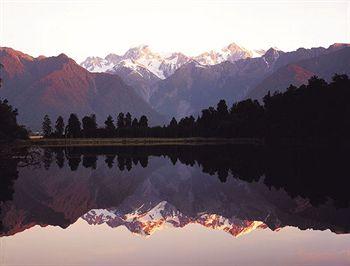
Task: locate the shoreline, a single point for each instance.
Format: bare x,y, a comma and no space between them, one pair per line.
81,142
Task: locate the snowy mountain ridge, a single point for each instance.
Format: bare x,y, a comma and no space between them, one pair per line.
165,65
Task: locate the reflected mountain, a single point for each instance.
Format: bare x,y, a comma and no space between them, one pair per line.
231,188
145,222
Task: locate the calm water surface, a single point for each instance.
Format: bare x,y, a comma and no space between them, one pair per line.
184,205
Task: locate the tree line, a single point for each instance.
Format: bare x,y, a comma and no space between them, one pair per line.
125,126
316,110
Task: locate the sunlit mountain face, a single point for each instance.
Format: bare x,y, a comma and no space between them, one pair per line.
164,65
145,189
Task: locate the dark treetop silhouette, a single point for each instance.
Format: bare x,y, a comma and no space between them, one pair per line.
318,110
9,129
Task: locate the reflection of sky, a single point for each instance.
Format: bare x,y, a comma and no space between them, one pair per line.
82,244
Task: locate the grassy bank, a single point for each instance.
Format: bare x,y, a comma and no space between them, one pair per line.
139,141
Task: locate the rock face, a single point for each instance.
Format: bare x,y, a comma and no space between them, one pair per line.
140,78
58,86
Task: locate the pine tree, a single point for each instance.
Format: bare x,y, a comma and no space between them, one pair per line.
120,120
89,126
46,127
59,127
143,122
222,109
74,126
173,123
109,125
128,120
135,123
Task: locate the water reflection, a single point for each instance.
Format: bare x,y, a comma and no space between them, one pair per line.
233,189
297,171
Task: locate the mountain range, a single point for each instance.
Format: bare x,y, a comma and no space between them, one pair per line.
142,81
232,73
164,65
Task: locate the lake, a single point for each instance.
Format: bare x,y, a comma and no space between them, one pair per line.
175,205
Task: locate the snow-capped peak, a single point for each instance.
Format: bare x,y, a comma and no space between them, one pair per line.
164,65
113,58
142,51
195,63
234,48
272,55
143,56
232,52
96,64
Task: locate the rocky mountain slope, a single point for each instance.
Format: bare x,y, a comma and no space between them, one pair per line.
138,77
59,86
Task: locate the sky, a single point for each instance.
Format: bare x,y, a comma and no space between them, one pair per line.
81,28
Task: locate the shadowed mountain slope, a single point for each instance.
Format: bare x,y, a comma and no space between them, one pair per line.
298,73
59,86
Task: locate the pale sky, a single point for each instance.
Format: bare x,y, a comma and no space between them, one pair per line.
81,28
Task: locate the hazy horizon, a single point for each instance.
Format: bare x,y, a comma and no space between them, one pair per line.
97,28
